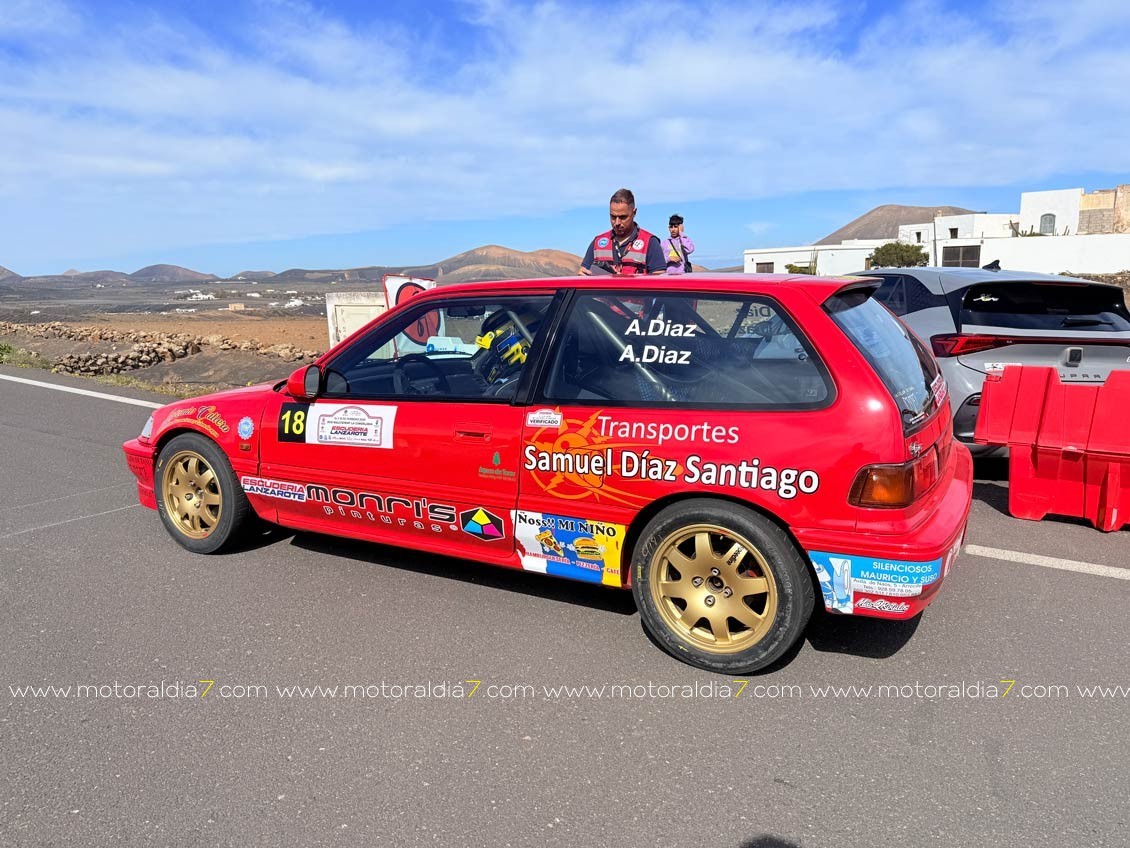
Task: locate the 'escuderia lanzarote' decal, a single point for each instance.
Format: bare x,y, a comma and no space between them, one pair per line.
581,458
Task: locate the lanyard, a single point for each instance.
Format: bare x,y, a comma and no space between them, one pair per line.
618,248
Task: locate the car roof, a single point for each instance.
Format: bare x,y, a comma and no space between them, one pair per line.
957,278
820,288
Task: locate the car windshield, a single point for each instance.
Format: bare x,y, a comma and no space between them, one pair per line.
1022,305
900,360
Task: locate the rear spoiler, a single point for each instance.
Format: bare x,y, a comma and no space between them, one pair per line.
854,292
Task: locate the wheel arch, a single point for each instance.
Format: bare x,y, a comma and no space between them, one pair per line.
170,434
635,529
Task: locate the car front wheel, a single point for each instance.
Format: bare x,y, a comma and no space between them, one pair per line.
720,586
199,498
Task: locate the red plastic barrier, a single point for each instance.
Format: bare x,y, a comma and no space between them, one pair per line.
1069,443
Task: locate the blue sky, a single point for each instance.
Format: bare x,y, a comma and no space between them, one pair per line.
281,133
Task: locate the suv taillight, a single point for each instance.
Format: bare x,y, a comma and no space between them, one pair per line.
896,486
956,344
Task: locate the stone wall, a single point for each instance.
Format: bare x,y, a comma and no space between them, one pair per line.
140,349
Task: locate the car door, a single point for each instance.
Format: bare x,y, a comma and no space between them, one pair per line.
646,394
414,438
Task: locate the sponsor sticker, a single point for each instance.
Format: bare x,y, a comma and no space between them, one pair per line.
882,605
583,459
938,388
575,548
389,510
841,576
352,425
246,427
205,417
496,472
544,418
281,489
482,523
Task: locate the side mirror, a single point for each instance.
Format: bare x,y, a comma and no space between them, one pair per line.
305,383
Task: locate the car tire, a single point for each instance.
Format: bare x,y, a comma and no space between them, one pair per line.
199,498
720,586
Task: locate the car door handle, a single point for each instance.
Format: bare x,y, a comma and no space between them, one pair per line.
472,433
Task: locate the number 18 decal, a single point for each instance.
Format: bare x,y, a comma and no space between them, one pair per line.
292,422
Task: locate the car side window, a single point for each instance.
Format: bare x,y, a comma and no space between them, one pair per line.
473,348
892,293
677,349
919,297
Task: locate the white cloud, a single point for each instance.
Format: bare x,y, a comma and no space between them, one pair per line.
760,228
151,128
36,18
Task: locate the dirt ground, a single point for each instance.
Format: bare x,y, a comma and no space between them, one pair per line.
304,332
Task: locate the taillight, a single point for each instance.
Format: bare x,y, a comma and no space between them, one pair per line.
896,486
956,344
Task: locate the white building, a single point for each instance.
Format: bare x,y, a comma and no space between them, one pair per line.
1055,231
1051,213
829,259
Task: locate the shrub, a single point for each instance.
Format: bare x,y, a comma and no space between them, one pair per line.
896,254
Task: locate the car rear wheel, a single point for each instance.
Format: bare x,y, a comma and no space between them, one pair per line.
199,498
720,586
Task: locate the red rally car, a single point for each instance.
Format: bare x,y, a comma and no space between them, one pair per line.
730,447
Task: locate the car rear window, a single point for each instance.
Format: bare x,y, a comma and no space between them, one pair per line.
901,361
1045,306
686,350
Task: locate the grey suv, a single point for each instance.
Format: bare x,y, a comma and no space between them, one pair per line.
979,320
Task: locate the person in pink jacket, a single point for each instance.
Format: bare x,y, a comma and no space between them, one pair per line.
678,248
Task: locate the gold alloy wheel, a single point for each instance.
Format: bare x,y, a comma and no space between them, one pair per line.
713,588
192,495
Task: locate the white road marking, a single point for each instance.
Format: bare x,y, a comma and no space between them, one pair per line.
1050,562
72,495
86,392
68,521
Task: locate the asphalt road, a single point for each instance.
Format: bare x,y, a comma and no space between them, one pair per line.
94,592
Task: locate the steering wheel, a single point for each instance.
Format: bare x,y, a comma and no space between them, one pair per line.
401,383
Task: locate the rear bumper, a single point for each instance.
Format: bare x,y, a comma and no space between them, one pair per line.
139,459
894,576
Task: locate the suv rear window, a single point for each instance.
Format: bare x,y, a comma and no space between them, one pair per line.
901,361
1045,306
672,349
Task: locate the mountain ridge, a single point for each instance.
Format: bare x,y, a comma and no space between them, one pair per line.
488,262
884,221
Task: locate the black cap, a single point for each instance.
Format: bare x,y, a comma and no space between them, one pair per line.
675,221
